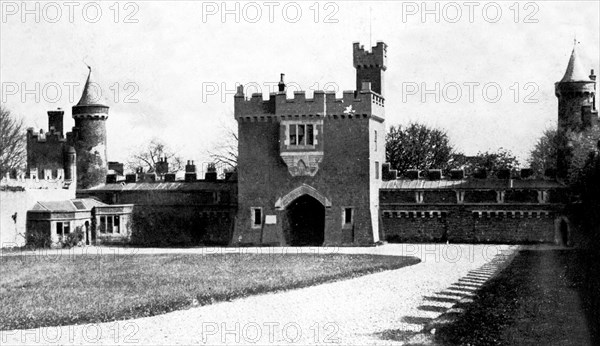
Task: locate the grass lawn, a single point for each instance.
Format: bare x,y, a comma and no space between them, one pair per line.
542,298
39,291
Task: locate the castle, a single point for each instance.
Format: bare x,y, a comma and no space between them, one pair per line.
80,154
312,172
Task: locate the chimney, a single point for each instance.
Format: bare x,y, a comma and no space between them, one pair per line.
190,171
211,173
281,84
111,178
592,75
55,120
162,166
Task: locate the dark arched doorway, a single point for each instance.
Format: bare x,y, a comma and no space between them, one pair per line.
305,222
564,233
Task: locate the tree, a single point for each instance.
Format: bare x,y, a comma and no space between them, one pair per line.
544,155
150,154
417,146
225,151
490,161
12,143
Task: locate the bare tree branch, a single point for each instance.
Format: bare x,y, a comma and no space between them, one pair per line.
12,142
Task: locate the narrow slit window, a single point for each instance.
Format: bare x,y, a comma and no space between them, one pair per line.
375,140
256,217
347,216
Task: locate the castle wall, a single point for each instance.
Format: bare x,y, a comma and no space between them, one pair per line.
522,220
17,197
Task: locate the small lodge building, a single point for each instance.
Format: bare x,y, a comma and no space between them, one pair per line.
51,222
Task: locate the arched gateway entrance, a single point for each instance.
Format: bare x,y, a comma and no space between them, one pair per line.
305,222
304,211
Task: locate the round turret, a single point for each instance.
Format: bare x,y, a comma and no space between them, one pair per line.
89,135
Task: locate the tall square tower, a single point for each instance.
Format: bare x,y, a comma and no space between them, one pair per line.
309,170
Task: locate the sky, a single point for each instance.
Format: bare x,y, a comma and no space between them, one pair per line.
482,71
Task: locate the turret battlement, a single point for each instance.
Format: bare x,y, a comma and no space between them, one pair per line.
21,182
353,103
45,137
377,57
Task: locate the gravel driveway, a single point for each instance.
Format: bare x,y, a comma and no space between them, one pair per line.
362,310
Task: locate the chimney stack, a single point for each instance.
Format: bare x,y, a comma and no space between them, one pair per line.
281,84
55,120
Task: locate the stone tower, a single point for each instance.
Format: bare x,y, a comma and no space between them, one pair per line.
89,135
309,169
576,93
370,66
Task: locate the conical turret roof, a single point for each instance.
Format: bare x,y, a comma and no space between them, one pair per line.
92,93
575,71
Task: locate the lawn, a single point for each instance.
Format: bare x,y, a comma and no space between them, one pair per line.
36,291
542,298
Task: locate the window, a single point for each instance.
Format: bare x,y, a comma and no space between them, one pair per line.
256,217
347,216
301,129
376,169
117,224
310,135
109,224
375,140
63,228
102,224
301,134
293,135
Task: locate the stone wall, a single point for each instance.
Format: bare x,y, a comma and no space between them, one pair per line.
520,219
17,197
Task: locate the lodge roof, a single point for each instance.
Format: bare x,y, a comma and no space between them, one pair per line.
79,204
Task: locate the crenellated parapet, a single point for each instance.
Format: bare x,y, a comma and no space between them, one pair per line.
45,137
377,57
21,182
358,104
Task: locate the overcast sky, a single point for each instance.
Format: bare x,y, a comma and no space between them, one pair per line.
181,60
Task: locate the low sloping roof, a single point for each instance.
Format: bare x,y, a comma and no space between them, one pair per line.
478,184
163,186
79,204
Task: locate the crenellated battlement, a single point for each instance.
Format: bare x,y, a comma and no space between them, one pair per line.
352,103
377,57
23,183
45,137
